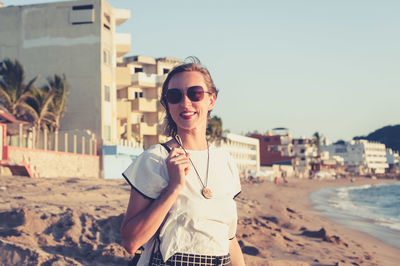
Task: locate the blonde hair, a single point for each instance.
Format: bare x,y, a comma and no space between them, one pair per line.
195,65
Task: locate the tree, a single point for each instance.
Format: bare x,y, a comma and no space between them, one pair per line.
214,129
317,138
13,90
58,85
39,107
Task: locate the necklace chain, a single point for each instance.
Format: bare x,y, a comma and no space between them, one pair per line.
179,141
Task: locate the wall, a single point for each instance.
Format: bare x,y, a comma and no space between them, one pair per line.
55,164
117,158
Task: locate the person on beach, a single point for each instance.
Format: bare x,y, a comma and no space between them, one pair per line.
181,207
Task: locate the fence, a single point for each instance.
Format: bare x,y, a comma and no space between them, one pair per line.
32,138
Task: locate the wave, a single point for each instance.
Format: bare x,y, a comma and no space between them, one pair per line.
374,205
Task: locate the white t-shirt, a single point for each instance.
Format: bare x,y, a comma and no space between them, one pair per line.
194,224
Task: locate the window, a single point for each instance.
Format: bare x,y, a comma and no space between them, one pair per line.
142,118
138,94
84,7
107,132
107,57
83,14
107,17
266,139
302,150
107,93
166,70
138,69
276,139
106,26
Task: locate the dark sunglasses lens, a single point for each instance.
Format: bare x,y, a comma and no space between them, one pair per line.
195,93
174,96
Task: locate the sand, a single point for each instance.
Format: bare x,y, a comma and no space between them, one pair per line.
76,222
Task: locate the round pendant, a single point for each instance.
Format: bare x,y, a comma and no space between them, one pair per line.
207,193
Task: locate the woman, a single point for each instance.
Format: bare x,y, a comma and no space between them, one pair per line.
181,207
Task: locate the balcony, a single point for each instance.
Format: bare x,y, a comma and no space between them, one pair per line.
122,43
122,77
145,129
144,105
121,15
160,79
142,79
123,108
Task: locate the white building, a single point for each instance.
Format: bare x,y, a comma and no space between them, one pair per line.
303,152
392,158
368,157
245,151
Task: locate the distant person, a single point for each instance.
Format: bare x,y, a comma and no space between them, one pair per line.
181,206
284,174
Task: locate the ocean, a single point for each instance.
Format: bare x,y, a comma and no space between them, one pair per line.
373,209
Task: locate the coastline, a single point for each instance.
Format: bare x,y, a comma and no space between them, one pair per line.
76,221
291,214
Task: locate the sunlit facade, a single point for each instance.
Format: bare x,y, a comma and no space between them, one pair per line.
140,115
78,39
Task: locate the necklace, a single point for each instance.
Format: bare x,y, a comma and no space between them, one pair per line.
206,191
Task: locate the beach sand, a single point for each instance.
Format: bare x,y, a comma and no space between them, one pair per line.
76,222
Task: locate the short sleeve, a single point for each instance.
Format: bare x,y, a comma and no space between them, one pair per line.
235,175
147,174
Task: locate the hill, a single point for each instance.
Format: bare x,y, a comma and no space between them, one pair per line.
389,135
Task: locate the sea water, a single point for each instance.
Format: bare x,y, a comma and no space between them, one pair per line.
373,209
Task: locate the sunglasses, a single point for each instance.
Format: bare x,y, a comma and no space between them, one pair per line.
194,93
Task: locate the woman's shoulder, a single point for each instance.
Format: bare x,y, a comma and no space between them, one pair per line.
156,150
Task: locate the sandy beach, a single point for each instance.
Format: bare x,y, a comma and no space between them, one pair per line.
76,222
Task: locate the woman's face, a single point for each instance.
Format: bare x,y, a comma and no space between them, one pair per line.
190,115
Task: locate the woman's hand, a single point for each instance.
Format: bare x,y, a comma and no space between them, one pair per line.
178,167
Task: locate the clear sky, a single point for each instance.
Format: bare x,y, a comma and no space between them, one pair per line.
311,65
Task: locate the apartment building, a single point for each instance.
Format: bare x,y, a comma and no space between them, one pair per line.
361,155
140,115
78,39
245,151
274,147
303,152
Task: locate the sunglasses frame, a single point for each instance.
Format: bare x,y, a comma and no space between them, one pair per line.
182,95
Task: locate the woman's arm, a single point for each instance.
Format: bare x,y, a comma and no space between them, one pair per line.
235,251
144,216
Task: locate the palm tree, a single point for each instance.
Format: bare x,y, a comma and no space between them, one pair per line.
38,111
13,90
214,129
317,138
58,86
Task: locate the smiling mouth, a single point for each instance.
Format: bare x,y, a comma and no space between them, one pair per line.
187,115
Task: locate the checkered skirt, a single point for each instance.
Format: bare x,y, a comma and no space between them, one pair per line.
182,259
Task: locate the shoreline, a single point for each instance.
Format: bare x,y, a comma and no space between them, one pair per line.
352,246
372,225
76,221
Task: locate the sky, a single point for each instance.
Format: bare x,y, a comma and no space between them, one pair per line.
331,67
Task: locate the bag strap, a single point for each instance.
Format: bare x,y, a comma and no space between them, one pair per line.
166,147
157,240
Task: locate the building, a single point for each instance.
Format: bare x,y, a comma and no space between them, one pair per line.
304,153
78,39
245,151
274,147
393,160
140,115
361,156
